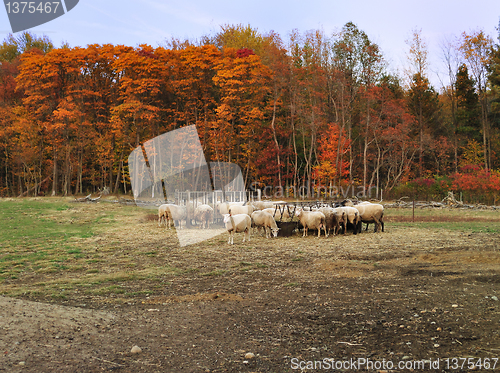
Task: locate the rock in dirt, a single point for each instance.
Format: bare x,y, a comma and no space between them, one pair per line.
136,350
249,356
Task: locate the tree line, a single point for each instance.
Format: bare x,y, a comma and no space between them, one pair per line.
309,111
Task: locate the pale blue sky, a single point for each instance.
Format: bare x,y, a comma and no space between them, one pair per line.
387,22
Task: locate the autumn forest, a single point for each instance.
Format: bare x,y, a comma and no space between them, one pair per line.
308,110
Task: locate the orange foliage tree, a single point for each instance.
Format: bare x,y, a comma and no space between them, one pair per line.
312,109
326,171
241,80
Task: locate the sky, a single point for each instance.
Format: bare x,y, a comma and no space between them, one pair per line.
388,23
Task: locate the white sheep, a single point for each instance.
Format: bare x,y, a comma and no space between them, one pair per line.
223,207
311,220
204,214
238,223
352,217
163,215
237,209
370,213
262,205
333,219
277,214
266,220
173,213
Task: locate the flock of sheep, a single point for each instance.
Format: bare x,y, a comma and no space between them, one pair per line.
240,217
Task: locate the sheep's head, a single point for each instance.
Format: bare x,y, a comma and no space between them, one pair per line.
275,231
347,202
227,218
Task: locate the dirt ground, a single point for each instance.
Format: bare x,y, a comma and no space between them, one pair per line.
275,306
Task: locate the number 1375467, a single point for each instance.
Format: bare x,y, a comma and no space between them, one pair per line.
32,6
470,363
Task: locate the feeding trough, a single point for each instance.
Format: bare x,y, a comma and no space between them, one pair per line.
286,228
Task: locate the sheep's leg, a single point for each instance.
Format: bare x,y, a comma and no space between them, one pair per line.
357,227
319,229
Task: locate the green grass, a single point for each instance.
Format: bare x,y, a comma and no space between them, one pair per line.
36,237
471,221
445,213
469,227
35,224
47,237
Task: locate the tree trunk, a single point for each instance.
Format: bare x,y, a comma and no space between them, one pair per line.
365,150
276,143
120,170
54,174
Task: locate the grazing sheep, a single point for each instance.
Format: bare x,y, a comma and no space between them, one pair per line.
237,209
237,223
163,215
311,220
173,213
370,213
333,219
204,214
352,218
266,220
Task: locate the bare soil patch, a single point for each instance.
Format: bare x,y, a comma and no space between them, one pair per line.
406,294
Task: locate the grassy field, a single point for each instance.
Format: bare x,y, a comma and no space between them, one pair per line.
466,220
56,248
48,248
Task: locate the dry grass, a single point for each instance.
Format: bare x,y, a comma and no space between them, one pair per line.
109,249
